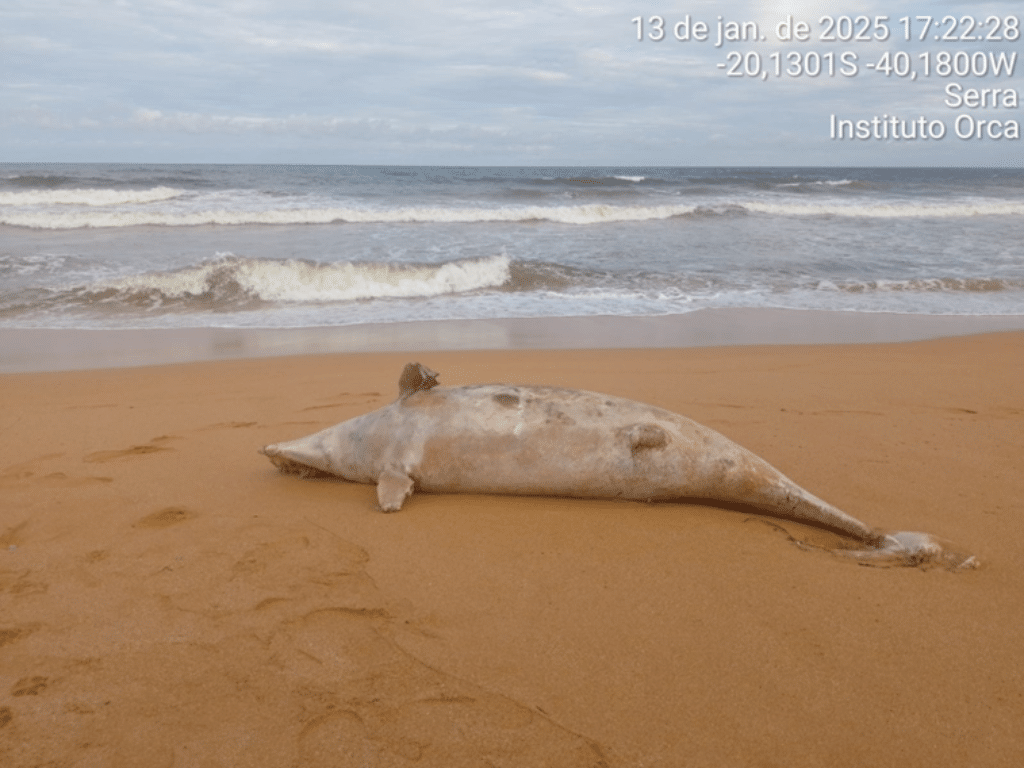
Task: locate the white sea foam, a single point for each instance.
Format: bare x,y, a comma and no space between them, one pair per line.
820,183
922,285
577,214
32,263
249,212
301,281
90,197
635,179
892,210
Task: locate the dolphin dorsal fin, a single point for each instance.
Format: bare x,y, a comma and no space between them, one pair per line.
414,378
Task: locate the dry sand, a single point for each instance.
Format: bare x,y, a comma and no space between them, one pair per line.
168,599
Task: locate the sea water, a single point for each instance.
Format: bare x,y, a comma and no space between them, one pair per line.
268,246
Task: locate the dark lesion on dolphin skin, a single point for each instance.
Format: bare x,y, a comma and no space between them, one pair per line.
555,415
415,378
507,400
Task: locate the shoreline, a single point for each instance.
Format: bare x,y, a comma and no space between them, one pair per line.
37,350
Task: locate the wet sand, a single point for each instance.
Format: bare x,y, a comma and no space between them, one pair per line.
25,350
168,598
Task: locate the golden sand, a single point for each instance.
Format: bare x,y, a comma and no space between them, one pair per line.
168,599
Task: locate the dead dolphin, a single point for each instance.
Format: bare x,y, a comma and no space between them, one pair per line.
549,441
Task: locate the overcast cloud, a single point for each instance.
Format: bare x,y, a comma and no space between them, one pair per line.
472,83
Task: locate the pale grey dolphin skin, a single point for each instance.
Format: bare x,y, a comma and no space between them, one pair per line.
548,441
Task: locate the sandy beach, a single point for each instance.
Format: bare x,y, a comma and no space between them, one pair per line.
167,598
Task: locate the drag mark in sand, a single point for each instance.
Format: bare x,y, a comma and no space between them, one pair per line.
135,450
833,413
279,641
60,478
348,399
245,644
229,425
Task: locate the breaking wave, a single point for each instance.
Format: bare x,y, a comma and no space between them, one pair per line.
75,209
90,197
575,214
230,283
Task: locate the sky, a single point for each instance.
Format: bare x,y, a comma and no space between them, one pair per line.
474,82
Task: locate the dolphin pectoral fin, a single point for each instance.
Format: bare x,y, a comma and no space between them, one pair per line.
393,488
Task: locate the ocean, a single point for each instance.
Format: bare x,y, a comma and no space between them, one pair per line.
112,246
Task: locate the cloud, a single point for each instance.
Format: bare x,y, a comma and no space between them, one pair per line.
493,70
556,81
192,122
294,44
32,44
377,129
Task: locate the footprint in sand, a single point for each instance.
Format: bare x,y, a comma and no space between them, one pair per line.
30,686
164,518
24,469
26,587
13,536
10,635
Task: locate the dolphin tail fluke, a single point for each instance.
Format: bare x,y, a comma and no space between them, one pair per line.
911,548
